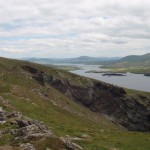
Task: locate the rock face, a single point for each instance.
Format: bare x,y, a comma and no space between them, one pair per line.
26,128
101,97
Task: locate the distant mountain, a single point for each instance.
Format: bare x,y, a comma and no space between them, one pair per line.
77,60
136,58
87,58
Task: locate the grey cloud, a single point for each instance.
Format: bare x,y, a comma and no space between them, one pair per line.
67,26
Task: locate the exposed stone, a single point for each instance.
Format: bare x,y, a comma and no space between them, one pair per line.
28,129
73,146
85,136
69,144
2,116
1,109
27,146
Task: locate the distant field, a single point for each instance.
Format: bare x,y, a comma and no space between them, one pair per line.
123,67
67,68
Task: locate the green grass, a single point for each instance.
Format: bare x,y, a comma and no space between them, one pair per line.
6,139
65,67
4,88
135,70
123,67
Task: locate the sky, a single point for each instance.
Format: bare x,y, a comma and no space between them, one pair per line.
72,28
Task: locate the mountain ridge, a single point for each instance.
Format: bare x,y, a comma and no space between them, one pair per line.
145,57
81,59
92,60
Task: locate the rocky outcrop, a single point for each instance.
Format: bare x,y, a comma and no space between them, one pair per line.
26,128
27,131
30,129
103,98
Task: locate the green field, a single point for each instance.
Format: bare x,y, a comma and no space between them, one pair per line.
123,67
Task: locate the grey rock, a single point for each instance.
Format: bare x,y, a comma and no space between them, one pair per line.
27,146
85,136
1,109
69,144
73,146
28,129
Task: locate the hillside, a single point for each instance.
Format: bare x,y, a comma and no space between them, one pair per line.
132,63
50,108
136,58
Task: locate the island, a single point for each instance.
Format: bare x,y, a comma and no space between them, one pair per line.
113,74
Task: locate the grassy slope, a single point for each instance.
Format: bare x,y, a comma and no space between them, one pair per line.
137,58
133,64
60,113
139,68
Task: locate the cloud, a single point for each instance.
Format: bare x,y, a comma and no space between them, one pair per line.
69,28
